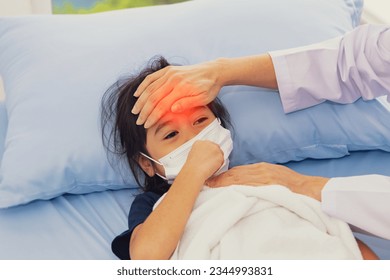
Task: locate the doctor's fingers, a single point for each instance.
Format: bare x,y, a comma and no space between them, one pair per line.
259,174
276,174
153,102
196,100
239,175
151,78
151,95
156,108
156,86
178,100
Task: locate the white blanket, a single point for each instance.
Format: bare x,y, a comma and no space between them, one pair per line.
242,222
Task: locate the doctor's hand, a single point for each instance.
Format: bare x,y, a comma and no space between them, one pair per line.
176,88
263,174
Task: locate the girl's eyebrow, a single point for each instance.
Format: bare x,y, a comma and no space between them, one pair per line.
161,125
167,122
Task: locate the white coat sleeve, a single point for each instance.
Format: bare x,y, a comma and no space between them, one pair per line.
361,201
340,70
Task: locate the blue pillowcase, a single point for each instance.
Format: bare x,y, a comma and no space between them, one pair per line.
56,68
262,132
3,127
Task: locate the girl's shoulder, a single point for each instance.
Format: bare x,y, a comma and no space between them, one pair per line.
145,199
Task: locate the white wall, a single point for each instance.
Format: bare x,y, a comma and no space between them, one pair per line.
24,7
376,11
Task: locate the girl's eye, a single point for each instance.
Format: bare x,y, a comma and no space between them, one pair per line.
171,135
200,120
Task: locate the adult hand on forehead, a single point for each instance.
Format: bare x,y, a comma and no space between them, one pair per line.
176,89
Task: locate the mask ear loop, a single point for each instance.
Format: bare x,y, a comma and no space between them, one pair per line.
152,159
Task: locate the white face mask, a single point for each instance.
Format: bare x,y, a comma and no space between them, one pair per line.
174,161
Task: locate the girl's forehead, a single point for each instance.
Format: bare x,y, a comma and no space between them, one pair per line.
177,118
192,112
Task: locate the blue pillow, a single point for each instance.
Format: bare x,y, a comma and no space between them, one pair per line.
56,68
3,127
262,132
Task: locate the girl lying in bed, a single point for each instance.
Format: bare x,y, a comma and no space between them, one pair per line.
174,159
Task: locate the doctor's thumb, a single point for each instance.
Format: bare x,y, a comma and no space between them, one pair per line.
177,108
186,103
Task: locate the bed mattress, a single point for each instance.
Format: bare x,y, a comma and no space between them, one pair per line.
82,226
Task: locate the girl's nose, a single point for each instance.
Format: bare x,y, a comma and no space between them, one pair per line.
189,131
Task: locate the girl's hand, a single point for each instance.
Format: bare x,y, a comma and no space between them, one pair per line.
262,174
176,88
158,236
204,159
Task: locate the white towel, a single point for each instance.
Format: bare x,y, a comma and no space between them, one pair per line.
244,222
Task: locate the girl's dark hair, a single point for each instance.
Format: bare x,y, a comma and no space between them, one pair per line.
123,138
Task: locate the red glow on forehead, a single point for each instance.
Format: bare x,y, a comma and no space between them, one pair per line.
184,115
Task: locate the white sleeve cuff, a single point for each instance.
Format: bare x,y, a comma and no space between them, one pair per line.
361,201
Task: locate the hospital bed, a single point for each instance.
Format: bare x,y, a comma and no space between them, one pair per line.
60,197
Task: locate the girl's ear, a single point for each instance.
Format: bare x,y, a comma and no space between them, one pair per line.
146,165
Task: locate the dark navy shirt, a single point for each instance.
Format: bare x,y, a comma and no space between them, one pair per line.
140,209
